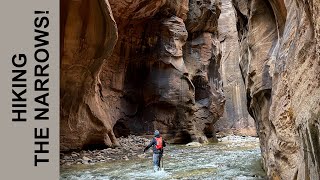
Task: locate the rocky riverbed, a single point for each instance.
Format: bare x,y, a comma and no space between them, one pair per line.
131,148
234,157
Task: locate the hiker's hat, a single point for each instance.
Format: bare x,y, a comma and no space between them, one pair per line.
156,133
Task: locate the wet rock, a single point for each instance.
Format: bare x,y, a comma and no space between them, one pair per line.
67,157
104,151
74,155
142,156
99,157
125,158
86,158
194,144
127,151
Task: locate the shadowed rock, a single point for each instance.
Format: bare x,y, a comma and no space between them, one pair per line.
88,33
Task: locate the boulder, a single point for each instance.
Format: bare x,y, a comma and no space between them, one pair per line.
194,144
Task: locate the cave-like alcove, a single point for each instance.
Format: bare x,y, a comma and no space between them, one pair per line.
202,89
121,129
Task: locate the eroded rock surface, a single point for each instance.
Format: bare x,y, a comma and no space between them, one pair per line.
236,118
133,66
89,33
149,78
125,71
281,66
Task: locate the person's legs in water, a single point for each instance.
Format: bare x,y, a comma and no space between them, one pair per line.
156,162
160,157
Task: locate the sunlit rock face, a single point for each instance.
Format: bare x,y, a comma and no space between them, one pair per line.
128,67
279,59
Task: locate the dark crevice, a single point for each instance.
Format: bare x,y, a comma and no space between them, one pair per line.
209,130
314,138
121,129
202,89
94,146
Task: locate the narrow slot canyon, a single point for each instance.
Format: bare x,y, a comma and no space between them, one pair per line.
237,80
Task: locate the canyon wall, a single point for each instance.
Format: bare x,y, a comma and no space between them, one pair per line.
236,118
130,67
152,82
279,59
88,35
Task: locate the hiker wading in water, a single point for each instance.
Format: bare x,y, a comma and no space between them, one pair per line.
158,143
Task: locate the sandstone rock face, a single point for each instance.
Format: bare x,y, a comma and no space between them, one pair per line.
202,54
279,59
128,68
152,78
89,34
133,66
236,118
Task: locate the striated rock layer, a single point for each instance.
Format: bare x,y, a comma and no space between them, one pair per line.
279,59
88,33
130,67
149,83
133,66
236,118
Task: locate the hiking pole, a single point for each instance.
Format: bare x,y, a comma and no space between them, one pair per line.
162,163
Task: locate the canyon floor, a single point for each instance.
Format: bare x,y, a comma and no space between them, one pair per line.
233,157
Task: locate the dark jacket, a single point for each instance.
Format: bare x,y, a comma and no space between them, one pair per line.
153,143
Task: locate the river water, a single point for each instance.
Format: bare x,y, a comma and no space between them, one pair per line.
233,157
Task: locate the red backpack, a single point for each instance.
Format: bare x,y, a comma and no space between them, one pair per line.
159,143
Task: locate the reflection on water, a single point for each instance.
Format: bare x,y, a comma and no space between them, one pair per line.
233,158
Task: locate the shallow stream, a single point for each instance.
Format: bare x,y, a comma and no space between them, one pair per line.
232,158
